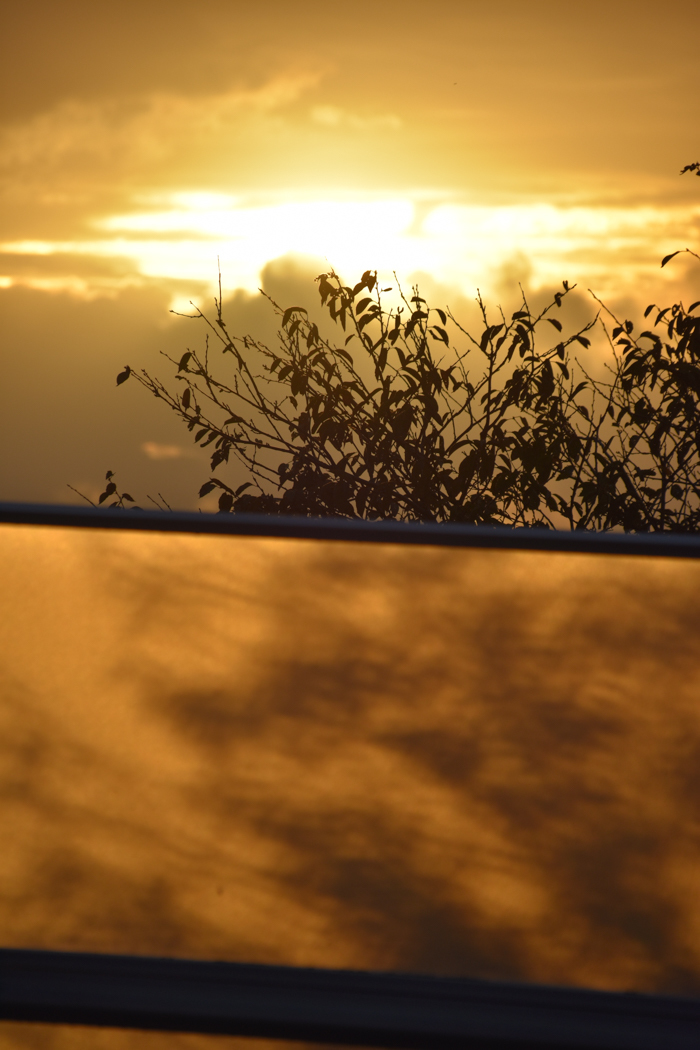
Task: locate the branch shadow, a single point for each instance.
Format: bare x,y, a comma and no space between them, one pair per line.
458,762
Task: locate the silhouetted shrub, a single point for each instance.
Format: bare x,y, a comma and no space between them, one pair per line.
396,420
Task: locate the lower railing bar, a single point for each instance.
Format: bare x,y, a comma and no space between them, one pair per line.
433,534
335,1006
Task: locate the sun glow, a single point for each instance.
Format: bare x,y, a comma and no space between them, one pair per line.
346,233
458,244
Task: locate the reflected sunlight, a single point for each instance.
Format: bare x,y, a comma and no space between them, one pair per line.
353,755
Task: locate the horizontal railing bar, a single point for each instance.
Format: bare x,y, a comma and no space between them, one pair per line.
669,545
334,1006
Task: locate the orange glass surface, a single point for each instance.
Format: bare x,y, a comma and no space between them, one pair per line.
482,763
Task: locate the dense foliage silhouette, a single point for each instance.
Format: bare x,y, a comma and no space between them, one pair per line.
395,419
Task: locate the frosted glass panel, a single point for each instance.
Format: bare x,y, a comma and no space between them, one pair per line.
470,762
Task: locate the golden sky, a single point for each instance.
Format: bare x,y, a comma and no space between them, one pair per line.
468,145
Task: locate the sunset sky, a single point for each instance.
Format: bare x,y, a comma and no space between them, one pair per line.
463,145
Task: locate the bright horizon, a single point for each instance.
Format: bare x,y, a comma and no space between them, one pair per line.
461,246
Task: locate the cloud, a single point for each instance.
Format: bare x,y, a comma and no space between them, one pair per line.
334,117
83,160
155,451
127,133
74,285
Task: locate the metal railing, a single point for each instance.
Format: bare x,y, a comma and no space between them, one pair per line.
673,545
335,1006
